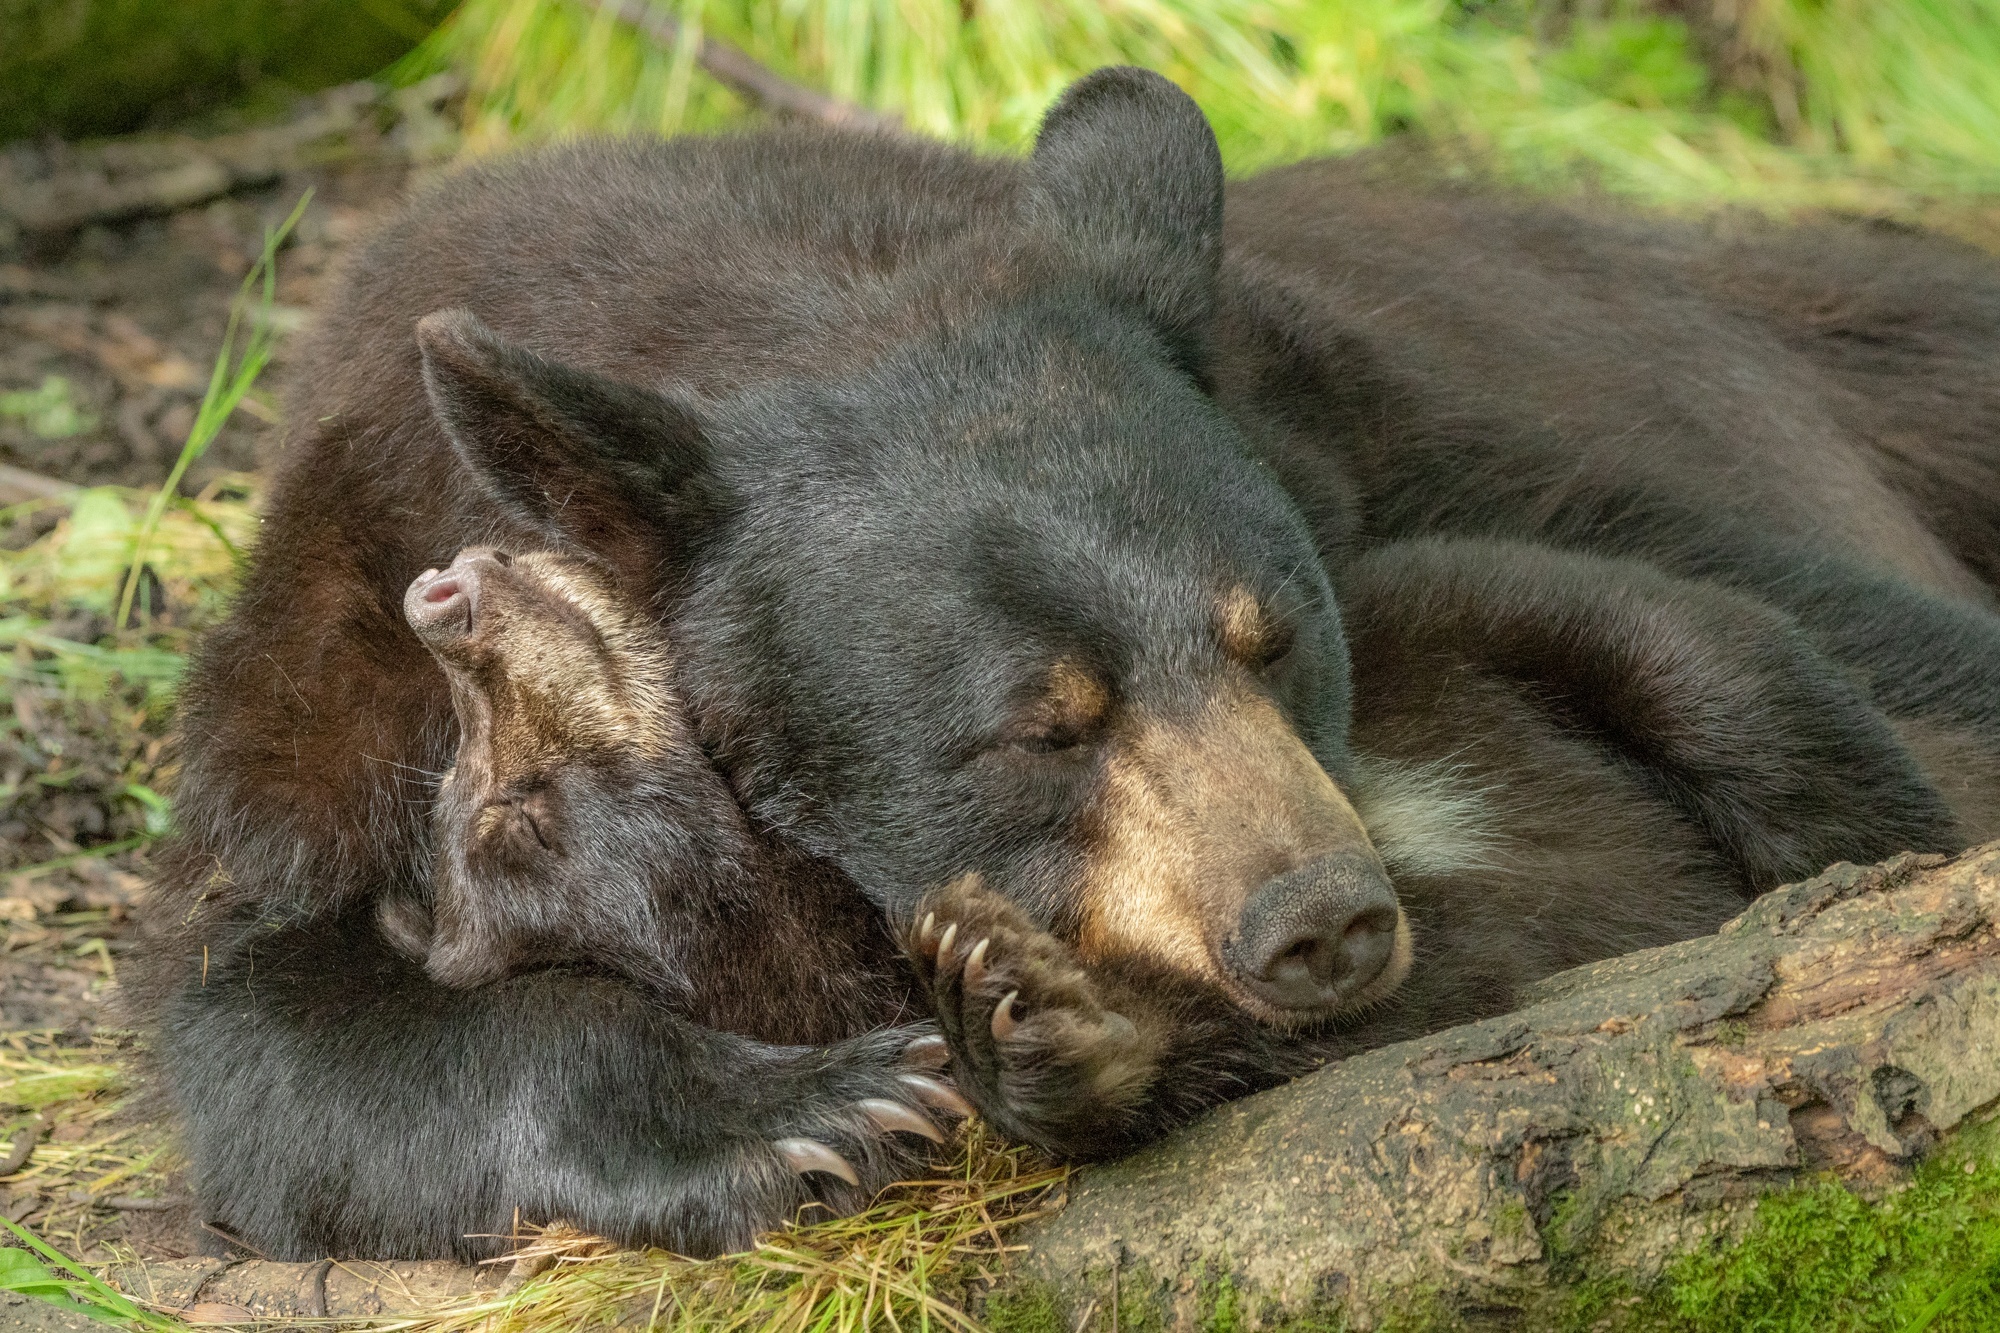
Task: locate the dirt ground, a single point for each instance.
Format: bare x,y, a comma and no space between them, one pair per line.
126,314
119,261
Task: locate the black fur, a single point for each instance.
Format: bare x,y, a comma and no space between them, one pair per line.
931,423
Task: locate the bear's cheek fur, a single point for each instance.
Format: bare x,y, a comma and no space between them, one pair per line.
1192,816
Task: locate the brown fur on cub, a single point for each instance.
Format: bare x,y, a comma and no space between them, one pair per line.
582,824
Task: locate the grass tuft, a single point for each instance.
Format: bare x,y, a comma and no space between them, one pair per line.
75,1100
905,1263
908,1262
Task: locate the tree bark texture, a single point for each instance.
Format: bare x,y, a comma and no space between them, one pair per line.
1635,1108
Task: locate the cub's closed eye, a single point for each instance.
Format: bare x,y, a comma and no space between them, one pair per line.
526,812
524,826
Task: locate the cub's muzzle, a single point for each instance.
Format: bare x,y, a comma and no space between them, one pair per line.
443,605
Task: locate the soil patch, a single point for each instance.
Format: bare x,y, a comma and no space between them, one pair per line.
119,261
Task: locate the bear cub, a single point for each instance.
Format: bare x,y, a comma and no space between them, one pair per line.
582,825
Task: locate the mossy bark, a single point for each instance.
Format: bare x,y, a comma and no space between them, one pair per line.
1637,1108
104,66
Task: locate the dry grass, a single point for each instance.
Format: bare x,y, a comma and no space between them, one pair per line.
74,1099
907,1263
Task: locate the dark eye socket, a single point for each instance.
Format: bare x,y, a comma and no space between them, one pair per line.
1279,640
1048,740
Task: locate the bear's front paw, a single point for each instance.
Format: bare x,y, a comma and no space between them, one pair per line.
1032,1043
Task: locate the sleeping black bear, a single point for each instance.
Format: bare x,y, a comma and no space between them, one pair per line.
1003,518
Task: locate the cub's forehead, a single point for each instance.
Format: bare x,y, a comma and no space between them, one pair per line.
577,581
557,599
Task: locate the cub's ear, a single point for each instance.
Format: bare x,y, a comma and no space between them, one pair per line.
1127,180
586,461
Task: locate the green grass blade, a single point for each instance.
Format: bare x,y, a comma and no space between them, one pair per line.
83,1293
226,388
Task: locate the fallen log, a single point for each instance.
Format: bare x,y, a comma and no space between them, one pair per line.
121,179
1636,1109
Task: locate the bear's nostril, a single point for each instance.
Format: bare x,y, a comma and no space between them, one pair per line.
441,591
1310,960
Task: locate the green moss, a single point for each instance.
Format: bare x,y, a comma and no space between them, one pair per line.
1421,1311
1511,1220
1564,1237
101,66
1222,1309
1731,1032
1819,1258
1025,1306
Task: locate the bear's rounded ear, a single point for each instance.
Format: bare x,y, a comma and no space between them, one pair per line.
583,460
1126,179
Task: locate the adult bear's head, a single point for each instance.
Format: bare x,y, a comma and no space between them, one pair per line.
1005,593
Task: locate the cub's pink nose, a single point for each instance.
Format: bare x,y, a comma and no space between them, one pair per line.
443,605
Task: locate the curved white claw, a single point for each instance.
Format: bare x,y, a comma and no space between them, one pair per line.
975,963
1004,1022
806,1155
933,1093
892,1116
944,941
930,1052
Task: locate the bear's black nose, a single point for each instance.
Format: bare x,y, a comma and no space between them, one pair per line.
1315,937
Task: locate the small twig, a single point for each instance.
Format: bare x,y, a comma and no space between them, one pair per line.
24,1146
321,1272
126,1203
72,858
217,1229
736,68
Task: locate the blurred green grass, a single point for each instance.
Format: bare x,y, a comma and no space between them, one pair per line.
1875,106
1872,106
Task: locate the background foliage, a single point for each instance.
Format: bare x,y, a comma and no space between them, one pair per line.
1873,105
1881,106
